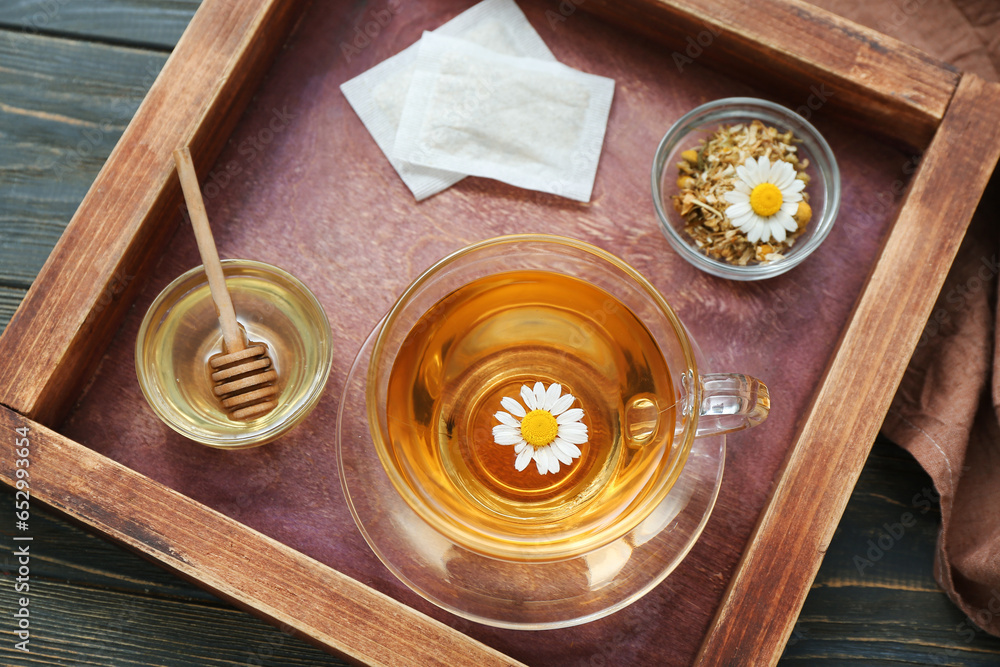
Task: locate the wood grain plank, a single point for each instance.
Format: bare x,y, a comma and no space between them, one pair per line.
56,337
875,598
236,563
806,53
72,625
96,603
10,299
153,24
818,476
63,106
68,553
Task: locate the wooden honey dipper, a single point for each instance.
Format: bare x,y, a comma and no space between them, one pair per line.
244,378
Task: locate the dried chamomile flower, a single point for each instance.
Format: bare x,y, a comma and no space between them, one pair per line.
742,194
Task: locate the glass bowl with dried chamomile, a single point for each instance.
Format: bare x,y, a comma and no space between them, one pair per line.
744,188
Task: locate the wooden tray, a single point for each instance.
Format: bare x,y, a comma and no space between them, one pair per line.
833,336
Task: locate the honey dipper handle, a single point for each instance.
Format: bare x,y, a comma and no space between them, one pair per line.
206,247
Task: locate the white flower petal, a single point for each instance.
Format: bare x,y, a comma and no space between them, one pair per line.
791,197
539,396
777,231
553,461
736,197
763,169
755,232
797,185
512,406
786,221
562,404
738,210
784,176
528,397
778,172
565,450
743,171
573,437
573,426
524,458
743,188
542,460
552,395
505,418
773,171
790,207
519,447
560,454
506,438
567,447
573,415
744,221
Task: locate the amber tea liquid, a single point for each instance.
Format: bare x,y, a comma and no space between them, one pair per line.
482,343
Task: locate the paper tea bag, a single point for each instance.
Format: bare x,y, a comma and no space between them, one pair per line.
378,95
531,123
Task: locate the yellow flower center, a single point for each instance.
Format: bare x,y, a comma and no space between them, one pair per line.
539,428
765,200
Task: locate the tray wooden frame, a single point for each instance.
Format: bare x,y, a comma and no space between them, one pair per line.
52,345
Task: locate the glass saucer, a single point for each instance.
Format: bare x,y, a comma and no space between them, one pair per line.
506,593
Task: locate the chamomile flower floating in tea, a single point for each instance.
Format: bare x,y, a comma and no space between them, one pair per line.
765,197
742,194
548,431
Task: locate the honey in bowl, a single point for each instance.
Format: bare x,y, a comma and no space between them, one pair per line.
180,334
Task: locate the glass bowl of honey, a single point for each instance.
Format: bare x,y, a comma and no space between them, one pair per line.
180,332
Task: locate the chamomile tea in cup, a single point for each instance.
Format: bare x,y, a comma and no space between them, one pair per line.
534,398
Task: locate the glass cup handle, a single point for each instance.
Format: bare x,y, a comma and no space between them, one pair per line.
731,402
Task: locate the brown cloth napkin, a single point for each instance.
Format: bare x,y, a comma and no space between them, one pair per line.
943,415
947,408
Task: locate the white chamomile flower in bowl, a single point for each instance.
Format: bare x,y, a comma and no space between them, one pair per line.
545,428
765,197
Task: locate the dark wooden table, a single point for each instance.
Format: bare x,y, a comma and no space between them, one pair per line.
71,75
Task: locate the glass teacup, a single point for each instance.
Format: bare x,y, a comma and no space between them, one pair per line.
534,404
